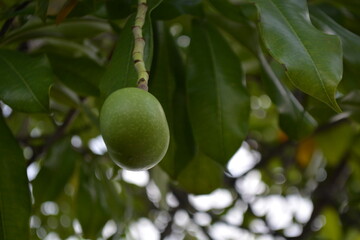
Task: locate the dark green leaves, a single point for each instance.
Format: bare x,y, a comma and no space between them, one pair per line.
121,72
350,44
312,59
167,83
218,101
201,167
71,29
25,81
15,202
291,112
80,74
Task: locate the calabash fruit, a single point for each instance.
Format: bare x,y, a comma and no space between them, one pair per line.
134,129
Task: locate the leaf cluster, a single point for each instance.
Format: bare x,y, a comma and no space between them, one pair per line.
261,97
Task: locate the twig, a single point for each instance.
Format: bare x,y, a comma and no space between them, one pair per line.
54,137
139,46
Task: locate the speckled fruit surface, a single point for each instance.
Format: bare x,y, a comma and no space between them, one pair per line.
134,128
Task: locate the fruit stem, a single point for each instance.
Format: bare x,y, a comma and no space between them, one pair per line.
138,52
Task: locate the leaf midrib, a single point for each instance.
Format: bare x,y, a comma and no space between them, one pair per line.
24,82
306,50
217,86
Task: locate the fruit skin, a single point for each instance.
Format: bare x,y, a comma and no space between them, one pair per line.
134,128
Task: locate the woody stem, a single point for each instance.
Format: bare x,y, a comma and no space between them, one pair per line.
139,46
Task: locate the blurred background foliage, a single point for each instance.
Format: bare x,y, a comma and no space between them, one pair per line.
296,169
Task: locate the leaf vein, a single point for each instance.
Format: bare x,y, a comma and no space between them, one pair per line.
218,92
24,82
304,47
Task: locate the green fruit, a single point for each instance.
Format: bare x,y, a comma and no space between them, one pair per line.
134,128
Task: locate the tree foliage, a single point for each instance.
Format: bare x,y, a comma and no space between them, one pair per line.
262,98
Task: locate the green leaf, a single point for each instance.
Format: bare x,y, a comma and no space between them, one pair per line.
292,113
170,9
217,99
350,45
25,81
201,176
293,118
80,74
57,169
68,48
15,204
72,28
312,59
167,83
121,72
41,8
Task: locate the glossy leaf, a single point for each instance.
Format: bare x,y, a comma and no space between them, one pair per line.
350,44
191,179
15,204
167,83
80,74
217,99
292,113
57,168
25,81
121,72
312,59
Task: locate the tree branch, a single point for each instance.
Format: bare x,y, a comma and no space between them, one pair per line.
71,115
